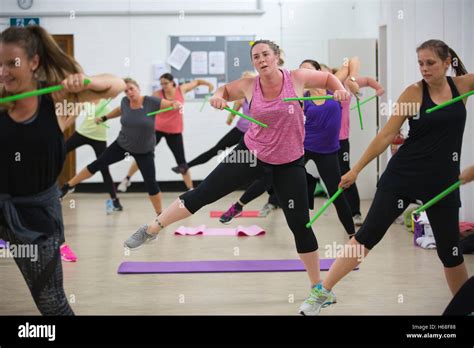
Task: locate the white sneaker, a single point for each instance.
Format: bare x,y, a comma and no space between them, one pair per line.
122,187
357,220
318,298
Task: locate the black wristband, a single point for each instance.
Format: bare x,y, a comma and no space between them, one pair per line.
103,118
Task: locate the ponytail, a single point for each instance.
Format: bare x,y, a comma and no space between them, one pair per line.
456,63
54,65
444,51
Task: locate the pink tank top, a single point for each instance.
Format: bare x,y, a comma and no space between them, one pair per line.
171,121
282,141
345,122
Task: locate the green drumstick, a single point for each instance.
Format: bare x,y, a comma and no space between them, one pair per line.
36,93
325,206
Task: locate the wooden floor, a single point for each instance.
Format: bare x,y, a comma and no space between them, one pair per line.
396,278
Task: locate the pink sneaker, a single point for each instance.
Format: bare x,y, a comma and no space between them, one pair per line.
67,254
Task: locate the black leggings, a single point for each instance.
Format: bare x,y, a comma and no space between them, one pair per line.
175,143
351,193
444,221
44,274
328,168
146,163
256,189
230,139
463,302
288,181
77,140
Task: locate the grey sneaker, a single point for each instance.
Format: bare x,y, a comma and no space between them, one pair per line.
267,208
357,220
139,238
318,298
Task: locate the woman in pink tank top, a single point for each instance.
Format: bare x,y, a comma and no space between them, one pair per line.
276,151
169,125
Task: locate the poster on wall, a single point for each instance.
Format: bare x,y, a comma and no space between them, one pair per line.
178,56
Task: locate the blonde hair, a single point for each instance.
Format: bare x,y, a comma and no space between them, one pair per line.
132,81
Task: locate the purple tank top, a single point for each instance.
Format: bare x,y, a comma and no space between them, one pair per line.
243,124
282,141
322,126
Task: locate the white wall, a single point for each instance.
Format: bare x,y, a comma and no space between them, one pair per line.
103,44
409,23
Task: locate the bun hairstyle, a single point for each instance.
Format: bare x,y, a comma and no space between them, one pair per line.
443,51
169,77
274,47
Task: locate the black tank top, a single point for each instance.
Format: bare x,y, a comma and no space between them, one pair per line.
32,154
429,160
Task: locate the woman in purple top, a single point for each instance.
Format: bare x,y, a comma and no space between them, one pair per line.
233,136
321,144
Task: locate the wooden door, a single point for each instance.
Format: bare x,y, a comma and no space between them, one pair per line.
66,42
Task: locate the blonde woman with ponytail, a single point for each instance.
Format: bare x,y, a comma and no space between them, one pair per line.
32,154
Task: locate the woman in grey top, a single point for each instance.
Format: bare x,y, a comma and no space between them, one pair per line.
136,138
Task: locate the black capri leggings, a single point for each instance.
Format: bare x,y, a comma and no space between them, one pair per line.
256,189
175,143
444,221
146,163
328,168
230,139
288,181
352,193
463,302
77,140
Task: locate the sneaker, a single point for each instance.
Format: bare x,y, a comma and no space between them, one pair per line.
319,191
139,238
67,254
357,220
318,298
175,169
124,185
66,189
230,214
117,205
267,208
109,206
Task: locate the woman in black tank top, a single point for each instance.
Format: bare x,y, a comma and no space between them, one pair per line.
424,166
32,154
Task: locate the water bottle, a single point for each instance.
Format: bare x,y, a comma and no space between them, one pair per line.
109,206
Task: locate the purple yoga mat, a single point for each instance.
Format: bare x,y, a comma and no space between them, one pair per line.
3,244
218,266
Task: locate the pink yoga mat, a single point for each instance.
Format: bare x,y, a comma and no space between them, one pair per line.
218,266
202,230
245,213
